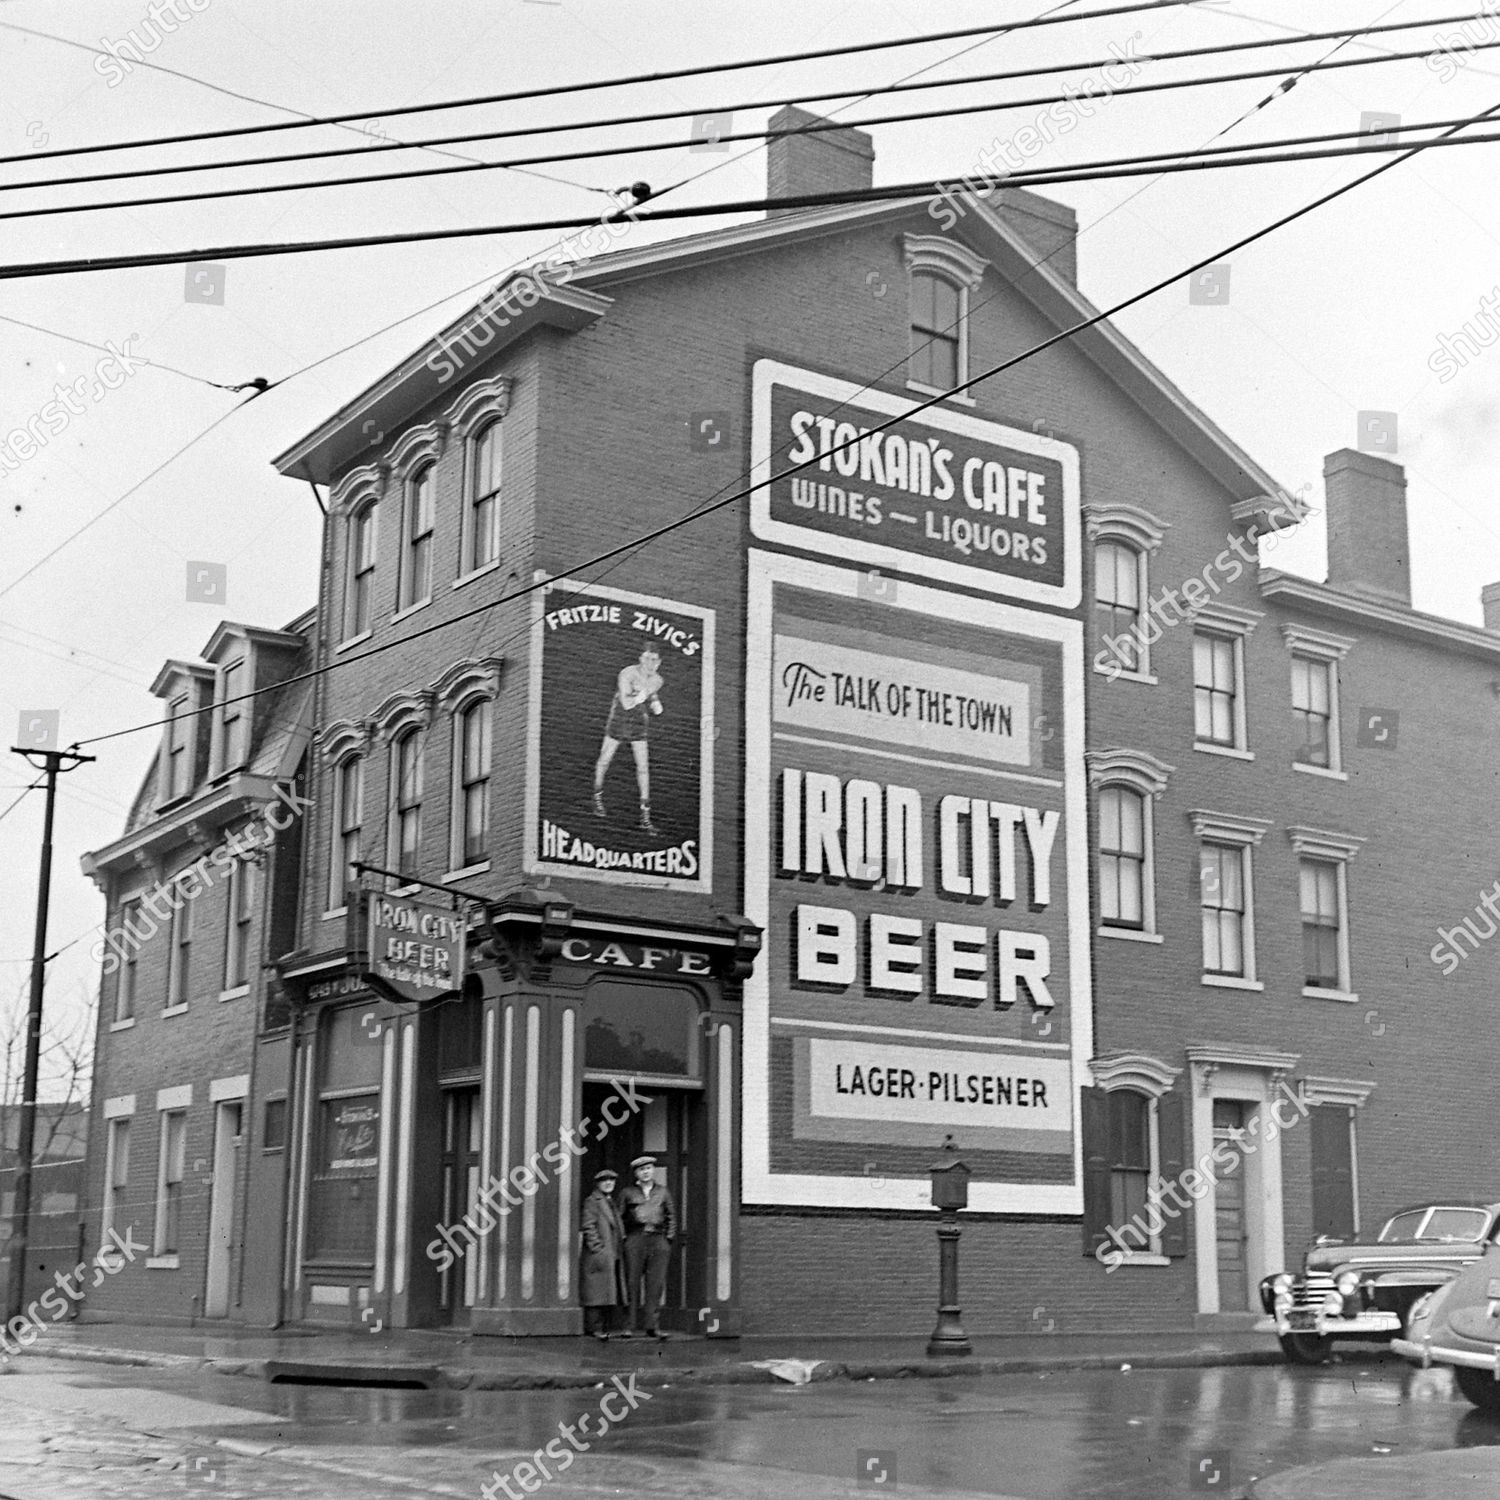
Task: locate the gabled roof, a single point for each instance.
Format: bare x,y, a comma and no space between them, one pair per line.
411,385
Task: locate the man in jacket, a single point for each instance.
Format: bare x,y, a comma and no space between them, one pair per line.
599,1256
649,1219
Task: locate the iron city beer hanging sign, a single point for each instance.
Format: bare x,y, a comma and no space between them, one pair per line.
415,949
940,493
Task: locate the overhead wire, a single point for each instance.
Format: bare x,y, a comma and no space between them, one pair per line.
655,533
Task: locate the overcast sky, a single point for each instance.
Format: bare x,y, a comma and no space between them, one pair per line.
1338,314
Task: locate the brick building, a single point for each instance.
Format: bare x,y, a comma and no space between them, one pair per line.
893,801
200,889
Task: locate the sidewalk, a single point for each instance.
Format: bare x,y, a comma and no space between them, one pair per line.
454,1361
1467,1474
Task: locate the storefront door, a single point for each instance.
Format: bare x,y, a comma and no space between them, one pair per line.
460,1172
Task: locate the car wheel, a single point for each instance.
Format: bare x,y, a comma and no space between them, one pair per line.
1306,1348
1479,1386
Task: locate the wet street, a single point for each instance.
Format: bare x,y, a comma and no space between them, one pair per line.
72,1429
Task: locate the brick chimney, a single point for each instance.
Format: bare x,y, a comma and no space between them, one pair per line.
1367,545
1489,602
832,161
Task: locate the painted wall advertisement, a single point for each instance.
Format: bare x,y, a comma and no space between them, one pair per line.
963,499
620,780
915,765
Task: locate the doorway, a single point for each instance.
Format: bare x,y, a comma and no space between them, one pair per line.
462,1130
221,1246
668,1123
1230,1225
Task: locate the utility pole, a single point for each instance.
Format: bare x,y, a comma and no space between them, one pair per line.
51,763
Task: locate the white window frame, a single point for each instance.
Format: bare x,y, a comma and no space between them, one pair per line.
1227,622
1136,1073
1143,774
338,865
239,922
416,453
1335,849
932,255
179,953
408,733
454,692
1331,649
161,1257
117,1115
368,512
477,408
1143,533
127,978
1244,834
337,742
458,821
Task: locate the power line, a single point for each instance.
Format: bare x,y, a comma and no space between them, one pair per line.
646,147
656,533
1084,172
588,86
103,349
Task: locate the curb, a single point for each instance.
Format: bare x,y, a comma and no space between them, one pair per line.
456,1377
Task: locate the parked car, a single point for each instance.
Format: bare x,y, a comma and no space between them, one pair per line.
1458,1325
1366,1289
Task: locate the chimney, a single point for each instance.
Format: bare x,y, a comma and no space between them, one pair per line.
832,161
1367,546
1489,602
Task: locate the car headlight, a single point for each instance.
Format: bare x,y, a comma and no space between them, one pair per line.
1347,1282
1333,1304
1282,1283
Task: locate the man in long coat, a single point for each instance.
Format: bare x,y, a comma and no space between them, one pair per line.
599,1256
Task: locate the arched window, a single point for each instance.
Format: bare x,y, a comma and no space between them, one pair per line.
406,803
1117,601
471,784
348,817
1122,857
359,599
483,539
416,565
936,331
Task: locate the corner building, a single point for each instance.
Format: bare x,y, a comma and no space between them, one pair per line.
781,841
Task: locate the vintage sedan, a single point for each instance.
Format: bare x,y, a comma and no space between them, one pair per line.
1366,1289
1459,1325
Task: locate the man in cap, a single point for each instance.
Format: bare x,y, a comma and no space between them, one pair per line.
649,1218
599,1256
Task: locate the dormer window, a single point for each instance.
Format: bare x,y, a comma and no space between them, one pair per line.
233,715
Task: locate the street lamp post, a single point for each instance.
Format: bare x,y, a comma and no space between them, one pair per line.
950,1193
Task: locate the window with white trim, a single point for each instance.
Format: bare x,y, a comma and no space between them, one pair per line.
1315,657
348,817
1129,783
237,924
116,1174
360,594
1119,586
406,778
180,949
471,782
1226,897
128,972
171,1169
1323,890
482,533
1216,689
941,275
417,537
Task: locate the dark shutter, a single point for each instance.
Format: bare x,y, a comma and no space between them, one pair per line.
1332,1170
1093,1117
1171,1135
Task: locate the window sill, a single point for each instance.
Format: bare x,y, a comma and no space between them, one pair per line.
162,1263
1230,982
1129,934
1232,751
1315,992
238,992
1326,772
124,1025
473,573
175,1010
411,609
1142,1259
480,869
1149,679
961,398
335,911
403,890
354,640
